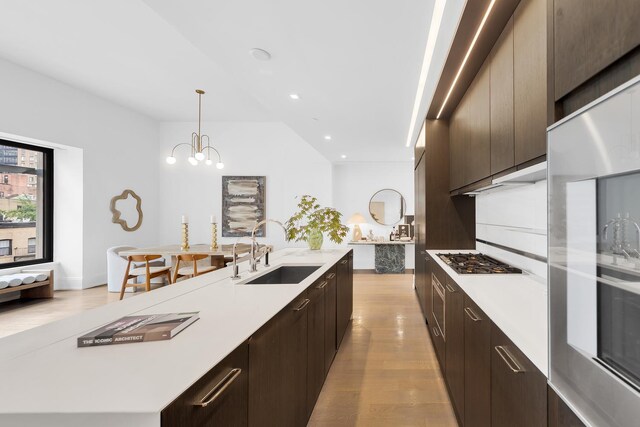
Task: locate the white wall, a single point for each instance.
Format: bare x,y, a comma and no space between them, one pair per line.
517,218
110,147
291,166
353,185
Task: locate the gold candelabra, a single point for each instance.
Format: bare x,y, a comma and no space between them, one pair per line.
214,236
185,237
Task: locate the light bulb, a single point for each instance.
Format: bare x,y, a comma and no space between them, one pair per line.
199,156
208,162
171,160
192,160
220,165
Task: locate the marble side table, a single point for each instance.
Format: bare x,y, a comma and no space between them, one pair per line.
389,256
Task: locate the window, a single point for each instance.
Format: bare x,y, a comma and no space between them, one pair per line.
5,247
26,229
31,245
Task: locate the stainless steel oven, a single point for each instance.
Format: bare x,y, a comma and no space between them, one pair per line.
438,305
594,259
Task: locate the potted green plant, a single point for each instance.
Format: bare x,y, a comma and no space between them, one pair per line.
311,221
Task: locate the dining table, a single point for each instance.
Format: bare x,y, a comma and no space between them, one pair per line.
219,256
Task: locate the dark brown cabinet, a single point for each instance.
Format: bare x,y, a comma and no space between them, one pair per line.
530,79
502,141
518,388
420,214
315,342
278,368
477,366
590,35
345,295
428,290
457,147
330,299
219,398
477,156
454,345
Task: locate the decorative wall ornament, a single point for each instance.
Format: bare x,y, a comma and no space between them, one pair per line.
116,218
243,205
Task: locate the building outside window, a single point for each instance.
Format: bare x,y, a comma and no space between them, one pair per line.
5,247
26,205
31,245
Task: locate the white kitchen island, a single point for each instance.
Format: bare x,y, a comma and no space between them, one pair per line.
48,380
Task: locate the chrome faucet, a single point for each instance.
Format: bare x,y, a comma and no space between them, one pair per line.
256,251
235,258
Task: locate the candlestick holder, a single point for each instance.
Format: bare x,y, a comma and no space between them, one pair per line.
185,237
214,236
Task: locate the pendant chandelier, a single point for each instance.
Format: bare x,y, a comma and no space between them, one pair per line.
199,152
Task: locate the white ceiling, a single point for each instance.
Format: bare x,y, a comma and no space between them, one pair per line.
355,64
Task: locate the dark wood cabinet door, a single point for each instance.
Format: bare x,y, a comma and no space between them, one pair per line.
457,143
530,79
427,288
477,366
590,35
419,226
502,142
518,388
278,369
219,398
330,297
345,296
477,153
454,345
315,342
559,413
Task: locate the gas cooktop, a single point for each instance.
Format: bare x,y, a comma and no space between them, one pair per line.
477,264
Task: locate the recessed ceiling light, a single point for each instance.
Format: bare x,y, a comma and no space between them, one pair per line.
260,54
344,156
294,96
327,137
466,56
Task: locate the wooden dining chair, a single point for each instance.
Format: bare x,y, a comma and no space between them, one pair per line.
150,272
193,270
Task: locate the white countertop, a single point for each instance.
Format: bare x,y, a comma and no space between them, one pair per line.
45,375
516,303
386,242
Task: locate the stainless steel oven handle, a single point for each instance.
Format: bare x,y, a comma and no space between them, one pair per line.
509,360
473,316
219,388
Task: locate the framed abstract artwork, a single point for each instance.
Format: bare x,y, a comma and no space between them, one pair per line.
243,205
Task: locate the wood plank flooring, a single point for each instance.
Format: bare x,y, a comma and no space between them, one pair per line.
386,372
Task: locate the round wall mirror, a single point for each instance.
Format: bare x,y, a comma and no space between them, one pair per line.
387,207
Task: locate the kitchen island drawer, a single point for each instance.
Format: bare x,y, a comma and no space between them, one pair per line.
219,398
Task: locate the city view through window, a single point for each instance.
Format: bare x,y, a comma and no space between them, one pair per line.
21,204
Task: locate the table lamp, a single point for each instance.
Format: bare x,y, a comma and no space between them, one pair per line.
356,219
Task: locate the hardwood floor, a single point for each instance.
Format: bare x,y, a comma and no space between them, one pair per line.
386,372
17,316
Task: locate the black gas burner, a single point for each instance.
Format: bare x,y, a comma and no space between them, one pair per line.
477,264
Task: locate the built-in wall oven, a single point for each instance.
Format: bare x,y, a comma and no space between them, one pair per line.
594,259
438,305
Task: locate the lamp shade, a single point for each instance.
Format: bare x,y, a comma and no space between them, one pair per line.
356,218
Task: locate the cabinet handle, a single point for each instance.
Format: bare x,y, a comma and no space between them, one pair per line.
331,276
472,315
435,331
449,288
322,285
219,388
508,359
344,261
303,305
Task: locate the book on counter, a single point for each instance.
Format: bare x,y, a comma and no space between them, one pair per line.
151,327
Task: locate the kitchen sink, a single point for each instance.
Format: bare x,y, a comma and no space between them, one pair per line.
286,274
